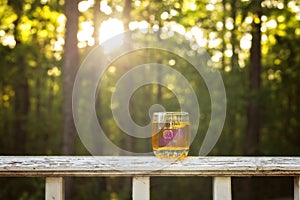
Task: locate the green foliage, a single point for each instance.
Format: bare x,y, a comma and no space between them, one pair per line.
30,97
31,47
22,188
181,188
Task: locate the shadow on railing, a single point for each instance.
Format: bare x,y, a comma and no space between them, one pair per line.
54,168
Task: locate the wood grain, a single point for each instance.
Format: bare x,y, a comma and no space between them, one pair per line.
147,166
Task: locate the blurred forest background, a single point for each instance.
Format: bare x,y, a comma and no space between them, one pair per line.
255,44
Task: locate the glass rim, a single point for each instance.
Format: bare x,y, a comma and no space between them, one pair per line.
169,113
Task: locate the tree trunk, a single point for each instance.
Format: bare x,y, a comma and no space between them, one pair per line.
21,106
21,88
97,21
253,110
126,20
69,71
251,146
233,39
101,183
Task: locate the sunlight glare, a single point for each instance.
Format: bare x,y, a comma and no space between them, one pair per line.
214,43
110,28
217,56
142,25
271,24
133,25
61,19
228,53
280,6
58,45
210,7
246,42
172,62
249,20
173,12
178,28
227,69
8,40
112,69
229,24
219,26
292,5
105,8
155,27
119,8
193,6
280,18
85,5
241,61
264,18
55,72
85,35
137,3
164,15
2,33
199,36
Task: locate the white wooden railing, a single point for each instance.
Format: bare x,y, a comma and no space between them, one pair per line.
54,168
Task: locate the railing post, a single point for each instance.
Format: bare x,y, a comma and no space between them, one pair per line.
141,188
54,188
297,188
222,188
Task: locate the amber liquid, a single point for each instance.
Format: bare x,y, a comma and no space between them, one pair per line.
171,140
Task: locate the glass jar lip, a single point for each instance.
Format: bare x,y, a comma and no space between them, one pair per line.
169,113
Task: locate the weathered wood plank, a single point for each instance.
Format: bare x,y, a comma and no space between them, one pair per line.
297,188
54,188
222,188
147,166
141,188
